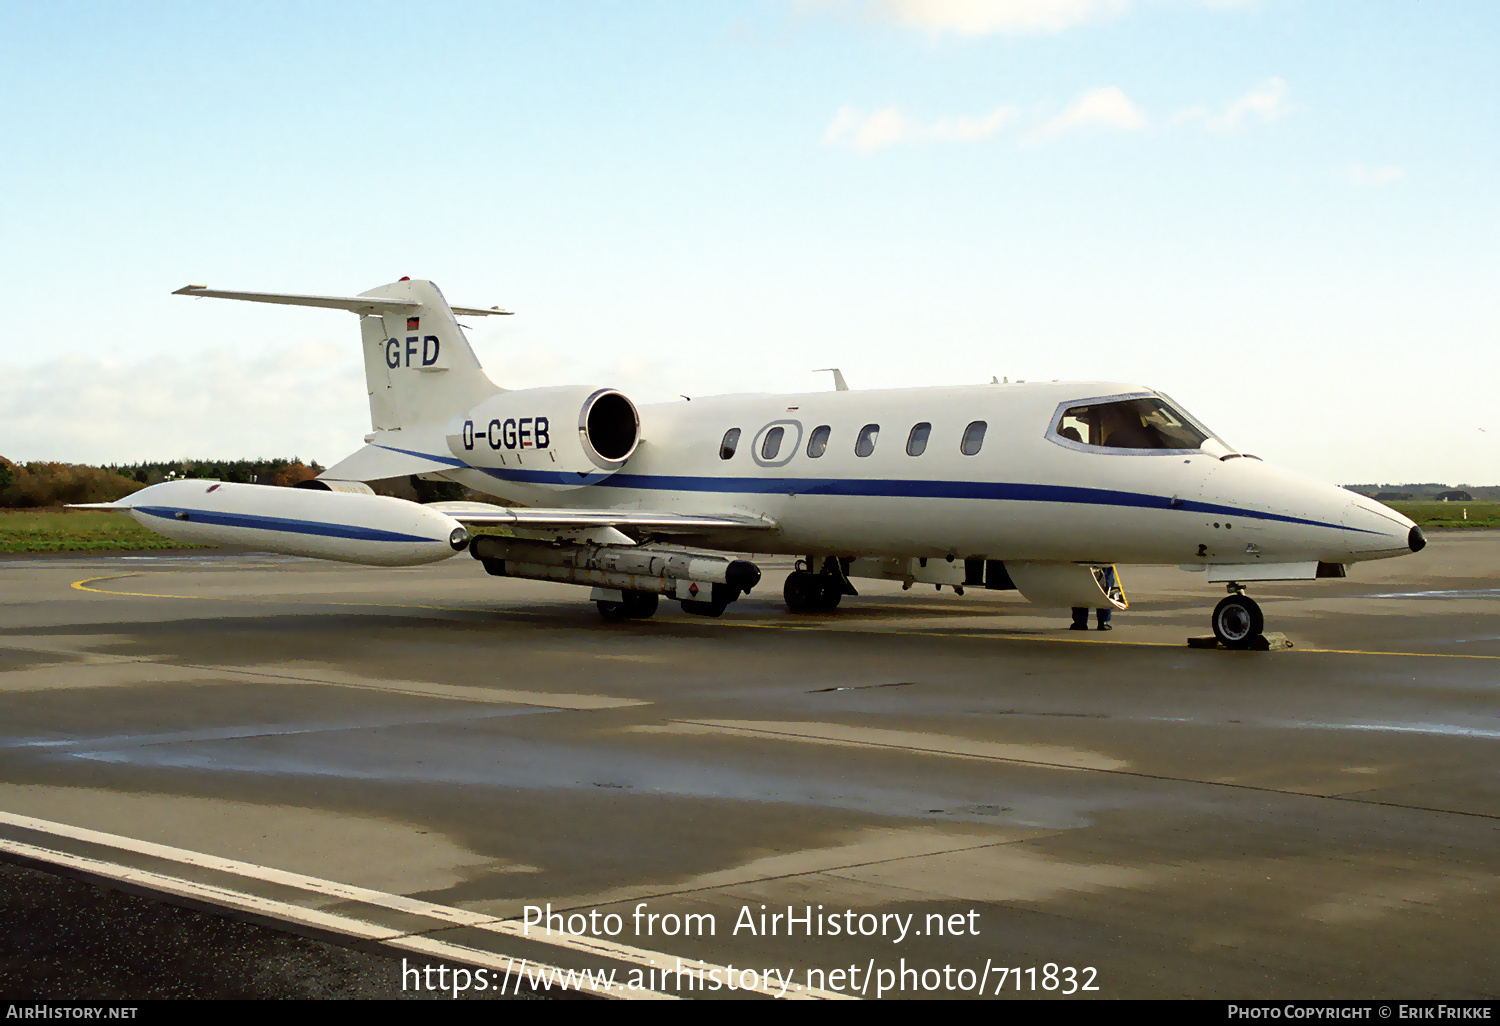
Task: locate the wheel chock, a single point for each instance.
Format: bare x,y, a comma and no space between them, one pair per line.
1271,641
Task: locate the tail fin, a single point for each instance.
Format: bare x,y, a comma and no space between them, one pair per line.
419,368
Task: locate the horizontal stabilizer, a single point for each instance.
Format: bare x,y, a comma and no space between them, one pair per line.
483,513
376,463
363,305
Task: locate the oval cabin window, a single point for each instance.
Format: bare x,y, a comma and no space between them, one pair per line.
772,444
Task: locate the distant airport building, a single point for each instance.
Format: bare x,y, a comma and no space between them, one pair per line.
1457,495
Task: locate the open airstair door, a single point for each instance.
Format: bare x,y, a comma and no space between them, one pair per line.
1067,585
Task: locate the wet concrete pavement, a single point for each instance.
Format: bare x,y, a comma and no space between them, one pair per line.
412,757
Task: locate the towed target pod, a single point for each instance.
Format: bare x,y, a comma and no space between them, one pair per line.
646,568
355,528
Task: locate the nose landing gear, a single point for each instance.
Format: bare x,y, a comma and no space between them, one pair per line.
1238,621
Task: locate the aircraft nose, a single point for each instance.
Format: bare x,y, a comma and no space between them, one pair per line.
1379,531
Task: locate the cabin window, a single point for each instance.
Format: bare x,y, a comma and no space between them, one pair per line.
817,444
772,443
973,438
866,441
1145,423
731,442
916,442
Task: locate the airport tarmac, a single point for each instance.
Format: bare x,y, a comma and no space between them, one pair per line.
953,795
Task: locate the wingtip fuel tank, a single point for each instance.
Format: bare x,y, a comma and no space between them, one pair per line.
370,529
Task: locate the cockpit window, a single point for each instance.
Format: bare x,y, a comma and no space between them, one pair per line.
1145,422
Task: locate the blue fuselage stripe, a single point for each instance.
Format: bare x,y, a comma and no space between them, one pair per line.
1005,491
445,460
283,524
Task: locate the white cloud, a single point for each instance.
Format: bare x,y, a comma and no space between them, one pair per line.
986,17
990,17
1359,174
1103,109
1106,108
309,401
1266,102
968,129
865,133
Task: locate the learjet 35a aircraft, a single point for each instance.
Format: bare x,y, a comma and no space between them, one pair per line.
1036,487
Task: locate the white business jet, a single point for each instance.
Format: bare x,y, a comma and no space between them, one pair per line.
1040,488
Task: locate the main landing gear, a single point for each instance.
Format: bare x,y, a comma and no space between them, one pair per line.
634,605
1238,621
820,592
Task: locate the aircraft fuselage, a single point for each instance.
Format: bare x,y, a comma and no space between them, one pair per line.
1023,493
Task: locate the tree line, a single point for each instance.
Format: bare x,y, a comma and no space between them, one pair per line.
1426,490
38,483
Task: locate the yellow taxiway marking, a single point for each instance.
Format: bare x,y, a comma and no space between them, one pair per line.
84,585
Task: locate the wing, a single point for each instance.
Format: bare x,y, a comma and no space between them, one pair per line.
644,522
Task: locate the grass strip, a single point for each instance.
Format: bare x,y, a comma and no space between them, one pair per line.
1455,515
77,530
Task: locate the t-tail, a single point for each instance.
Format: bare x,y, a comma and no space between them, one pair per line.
419,368
420,371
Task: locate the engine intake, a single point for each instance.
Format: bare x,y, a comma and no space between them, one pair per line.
610,426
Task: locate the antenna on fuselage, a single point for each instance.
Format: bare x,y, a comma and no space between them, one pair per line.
839,384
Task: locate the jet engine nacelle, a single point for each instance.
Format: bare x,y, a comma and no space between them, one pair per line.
563,437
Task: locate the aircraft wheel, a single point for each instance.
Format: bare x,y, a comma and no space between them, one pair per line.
802,592
830,592
703,608
640,605
635,605
612,611
1238,621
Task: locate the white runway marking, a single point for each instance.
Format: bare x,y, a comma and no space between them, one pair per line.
294,913
409,940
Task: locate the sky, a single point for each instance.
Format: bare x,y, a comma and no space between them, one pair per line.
1283,213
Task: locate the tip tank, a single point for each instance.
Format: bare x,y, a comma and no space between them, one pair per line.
370,529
